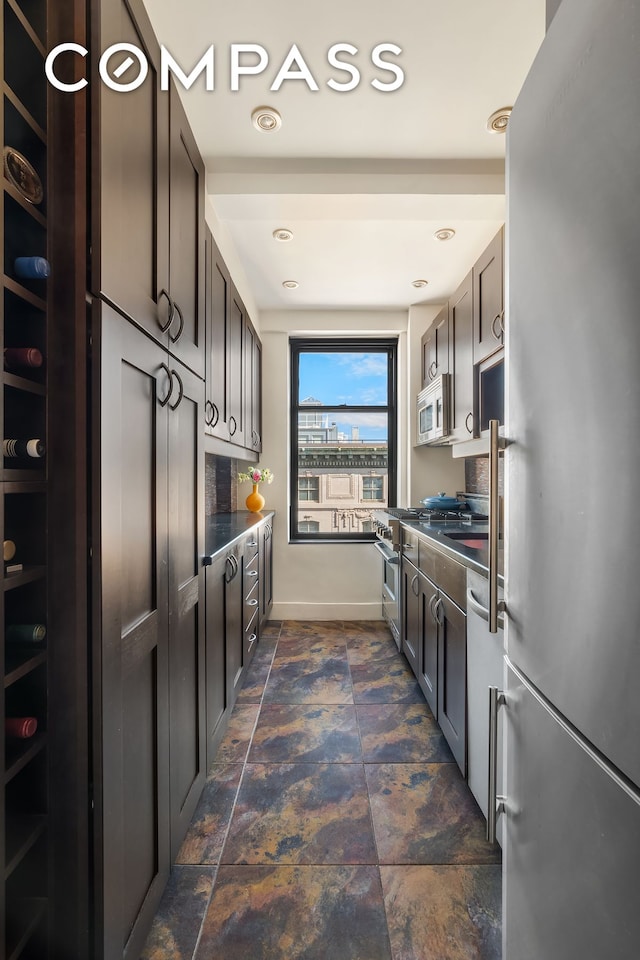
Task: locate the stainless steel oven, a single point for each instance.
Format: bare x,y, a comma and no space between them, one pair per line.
388,548
433,421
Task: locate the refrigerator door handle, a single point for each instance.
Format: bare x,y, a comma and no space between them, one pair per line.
495,605
495,803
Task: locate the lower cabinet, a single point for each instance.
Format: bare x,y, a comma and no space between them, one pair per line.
148,506
238,602
433,638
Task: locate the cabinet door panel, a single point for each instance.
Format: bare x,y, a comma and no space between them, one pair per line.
452,678
132,730
410,639
130,251
488,301
428,659
235,369
461,334
234,632
217,309
217,699
186,599
186,242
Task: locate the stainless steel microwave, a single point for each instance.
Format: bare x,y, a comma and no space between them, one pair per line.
433,421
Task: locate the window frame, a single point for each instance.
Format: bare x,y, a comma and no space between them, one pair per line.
364,344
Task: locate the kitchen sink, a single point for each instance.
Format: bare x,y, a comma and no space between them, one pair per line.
464,535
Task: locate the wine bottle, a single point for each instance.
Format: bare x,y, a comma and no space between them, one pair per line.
32,268
8,549
20,728
23,448
25,632
22,357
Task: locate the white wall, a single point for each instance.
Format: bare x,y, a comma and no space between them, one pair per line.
430,469
318,581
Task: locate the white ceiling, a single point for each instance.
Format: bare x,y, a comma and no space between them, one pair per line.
362,178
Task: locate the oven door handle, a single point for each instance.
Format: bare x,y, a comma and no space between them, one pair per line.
387,553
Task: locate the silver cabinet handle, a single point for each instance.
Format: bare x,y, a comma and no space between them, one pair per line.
438,607
495,803
474,604
252,603
252,543
165,326
180,327
252,573
232,429
431,607
469,429
432,370
252,640
498,319
414,580
164,402
172,406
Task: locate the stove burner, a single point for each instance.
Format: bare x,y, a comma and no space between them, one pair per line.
436,516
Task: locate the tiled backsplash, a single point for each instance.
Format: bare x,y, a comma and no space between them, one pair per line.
221,485
476,475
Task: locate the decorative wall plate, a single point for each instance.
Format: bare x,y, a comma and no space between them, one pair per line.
21,174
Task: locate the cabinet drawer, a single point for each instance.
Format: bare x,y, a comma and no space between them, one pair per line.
410,541
449,575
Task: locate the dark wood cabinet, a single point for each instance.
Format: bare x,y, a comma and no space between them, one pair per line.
435,348
131,654
463,424
266,571
433,635
234,622
218,287
428,644
410,605
148,254
149,657
187,742
130,180
217,691
233,362
452,676
186,242
488,300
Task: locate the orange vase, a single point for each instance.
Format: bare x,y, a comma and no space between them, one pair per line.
255,500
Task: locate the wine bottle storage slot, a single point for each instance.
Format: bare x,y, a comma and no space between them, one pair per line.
25,524
25,238
23,61
24,419
28,605
26,933
24,700
34,12
24,327
21,136
26,793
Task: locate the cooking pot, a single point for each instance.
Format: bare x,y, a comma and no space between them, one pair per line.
442,502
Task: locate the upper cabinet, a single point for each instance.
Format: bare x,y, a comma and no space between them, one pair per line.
233,362
435,348
461,361
147,256
488,300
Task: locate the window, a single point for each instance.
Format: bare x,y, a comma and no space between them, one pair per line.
343,431
372,488
308,526
309,488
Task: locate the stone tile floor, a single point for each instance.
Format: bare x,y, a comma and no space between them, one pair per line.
334,824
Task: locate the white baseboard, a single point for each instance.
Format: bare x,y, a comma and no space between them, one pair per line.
326,611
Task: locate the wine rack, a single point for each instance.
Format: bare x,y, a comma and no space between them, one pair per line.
25,837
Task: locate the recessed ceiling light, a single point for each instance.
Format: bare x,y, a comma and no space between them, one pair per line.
499,121
419,283
445,234
282,234
266,119
290,284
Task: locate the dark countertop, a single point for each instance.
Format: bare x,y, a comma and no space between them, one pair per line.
474,557
223,529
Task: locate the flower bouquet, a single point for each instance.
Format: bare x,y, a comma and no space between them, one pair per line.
256,475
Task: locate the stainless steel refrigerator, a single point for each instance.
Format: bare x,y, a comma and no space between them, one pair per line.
572,481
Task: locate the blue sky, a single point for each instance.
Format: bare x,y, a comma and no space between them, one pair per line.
352,378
